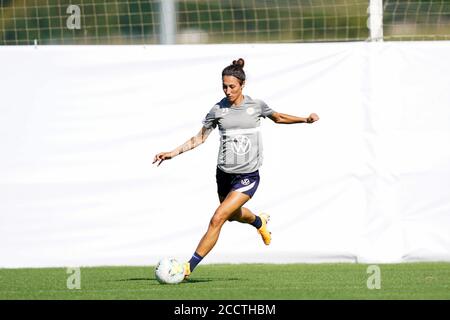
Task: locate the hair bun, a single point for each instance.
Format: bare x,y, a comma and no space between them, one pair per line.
239,62
235,69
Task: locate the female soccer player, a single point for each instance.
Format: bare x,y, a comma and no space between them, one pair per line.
240,155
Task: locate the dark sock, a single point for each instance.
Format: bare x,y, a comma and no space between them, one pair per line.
195,260
257,223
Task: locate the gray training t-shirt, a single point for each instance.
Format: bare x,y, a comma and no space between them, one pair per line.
241,149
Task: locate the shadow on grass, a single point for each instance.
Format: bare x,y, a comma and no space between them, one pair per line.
197,280
210,279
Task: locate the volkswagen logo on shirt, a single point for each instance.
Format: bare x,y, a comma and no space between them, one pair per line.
241,145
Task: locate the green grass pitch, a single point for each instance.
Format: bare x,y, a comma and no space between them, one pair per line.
234,281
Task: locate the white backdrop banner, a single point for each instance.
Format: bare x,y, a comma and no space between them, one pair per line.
80,125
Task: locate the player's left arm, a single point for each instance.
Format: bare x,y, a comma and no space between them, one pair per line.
283,118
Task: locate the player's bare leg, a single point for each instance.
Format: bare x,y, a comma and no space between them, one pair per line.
230,209
233,202
244,215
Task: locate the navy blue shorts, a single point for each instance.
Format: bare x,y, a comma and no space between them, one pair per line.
243,182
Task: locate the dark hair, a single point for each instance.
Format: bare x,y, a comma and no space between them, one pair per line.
236,69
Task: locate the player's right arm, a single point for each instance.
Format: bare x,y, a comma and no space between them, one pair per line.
192,143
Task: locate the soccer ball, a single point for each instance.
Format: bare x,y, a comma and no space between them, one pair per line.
169,270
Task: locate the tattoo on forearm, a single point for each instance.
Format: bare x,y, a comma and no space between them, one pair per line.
193,142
